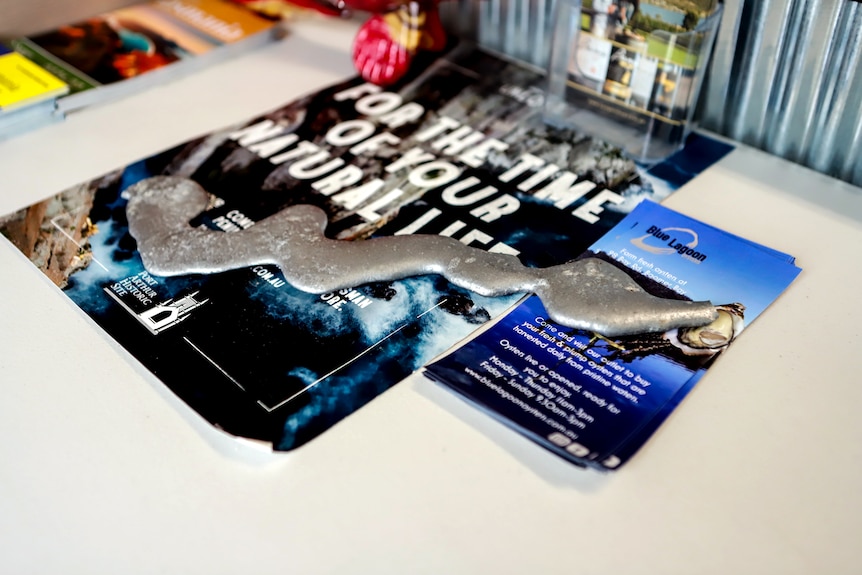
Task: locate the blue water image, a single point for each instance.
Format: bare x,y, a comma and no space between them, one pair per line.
667,15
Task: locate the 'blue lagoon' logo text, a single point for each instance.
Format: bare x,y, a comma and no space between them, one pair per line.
665,241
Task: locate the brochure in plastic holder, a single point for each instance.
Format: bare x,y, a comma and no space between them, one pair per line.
630,72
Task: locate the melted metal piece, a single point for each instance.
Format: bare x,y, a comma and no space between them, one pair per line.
587,294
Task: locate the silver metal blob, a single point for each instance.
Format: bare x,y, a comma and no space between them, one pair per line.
587,294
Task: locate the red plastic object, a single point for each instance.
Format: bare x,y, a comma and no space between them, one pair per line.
387,43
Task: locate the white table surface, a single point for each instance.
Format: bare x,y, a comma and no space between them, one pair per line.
104,471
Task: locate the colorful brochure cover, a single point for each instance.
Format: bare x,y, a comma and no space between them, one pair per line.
595,400
458,149
24,83
114,47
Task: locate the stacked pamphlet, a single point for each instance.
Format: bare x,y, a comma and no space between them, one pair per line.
28,94
595,400
113,53
458,149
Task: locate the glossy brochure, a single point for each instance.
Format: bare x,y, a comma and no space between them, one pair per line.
595,400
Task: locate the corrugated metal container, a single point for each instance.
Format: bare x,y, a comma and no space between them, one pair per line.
785,74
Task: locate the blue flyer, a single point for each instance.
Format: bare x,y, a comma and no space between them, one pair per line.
595,400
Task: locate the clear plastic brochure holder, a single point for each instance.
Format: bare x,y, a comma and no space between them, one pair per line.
629,72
